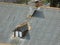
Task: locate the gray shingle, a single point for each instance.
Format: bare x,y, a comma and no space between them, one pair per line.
45,31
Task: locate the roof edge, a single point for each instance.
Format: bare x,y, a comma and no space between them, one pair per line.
13,3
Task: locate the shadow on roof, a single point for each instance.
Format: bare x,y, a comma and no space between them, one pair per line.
27,36
38,14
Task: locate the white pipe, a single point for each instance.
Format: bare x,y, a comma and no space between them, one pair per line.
16,33
20,34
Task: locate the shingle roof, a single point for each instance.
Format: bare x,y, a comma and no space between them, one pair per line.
45,27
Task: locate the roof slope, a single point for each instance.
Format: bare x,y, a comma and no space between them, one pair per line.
7,0
45,27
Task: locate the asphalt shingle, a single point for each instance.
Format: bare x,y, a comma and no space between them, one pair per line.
45,27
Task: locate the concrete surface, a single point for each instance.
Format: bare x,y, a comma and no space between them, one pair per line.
45,26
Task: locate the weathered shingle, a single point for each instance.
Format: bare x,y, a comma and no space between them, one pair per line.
45,27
